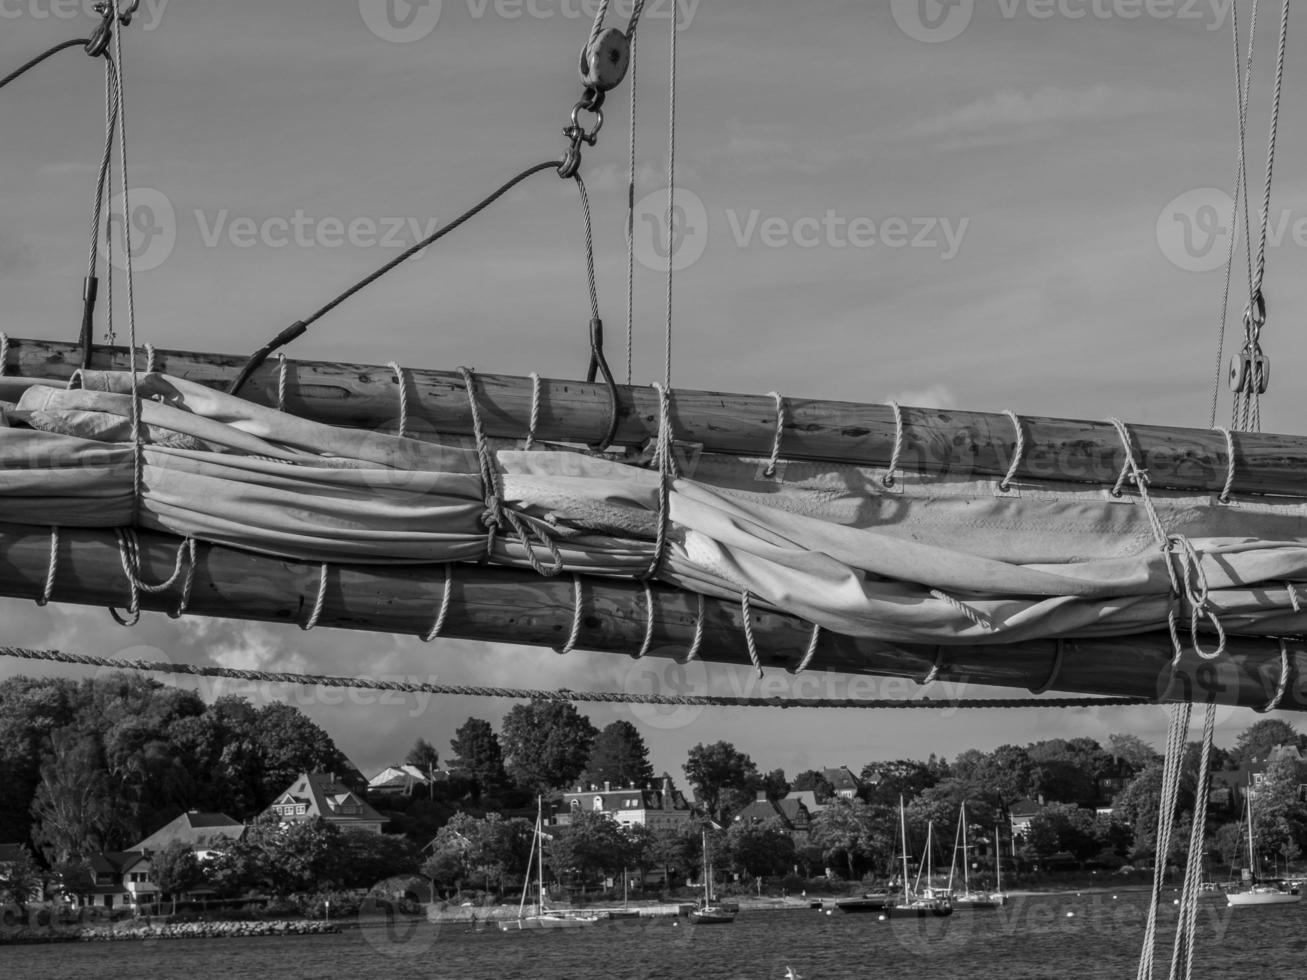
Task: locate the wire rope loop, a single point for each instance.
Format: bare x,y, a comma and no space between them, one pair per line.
52,569
811,651
534,423
281,381
1228,489
1282,687
575,635
648,623
438,626
696,642
403,397
750,642
774,460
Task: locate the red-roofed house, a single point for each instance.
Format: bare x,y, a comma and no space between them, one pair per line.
319,794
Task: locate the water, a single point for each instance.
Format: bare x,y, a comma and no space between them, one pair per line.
1030,940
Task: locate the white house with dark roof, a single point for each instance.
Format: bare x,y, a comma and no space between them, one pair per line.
319,794
629,805
204,833
843,782
404,780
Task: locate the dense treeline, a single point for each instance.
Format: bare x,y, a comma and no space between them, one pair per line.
99,764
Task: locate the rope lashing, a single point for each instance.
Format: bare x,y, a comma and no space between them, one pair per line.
1293,597
1228,489
648,624
403,397
1059,652
575,635
527,694
1186,926
701,611
129,556
746,614
1018,452
299,327
52,569
534,423
446,594
936,668
496,514
889,479
975,617
4,353
316,613
1286,671
103,184
811,652
281,381
665,459
774,460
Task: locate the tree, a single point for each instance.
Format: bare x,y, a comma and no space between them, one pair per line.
760,849
546,744
722,777
1064,827
423,756
20,878
288,743
73,809
885,782
176,869
811,779
774,784
479,757
855,834
593,843
1068,771
1132,752
619,756
367,858
1279,816
1263,735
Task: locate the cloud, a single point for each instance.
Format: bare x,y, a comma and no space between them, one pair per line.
935,396
1011,108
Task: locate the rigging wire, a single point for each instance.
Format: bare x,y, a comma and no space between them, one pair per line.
79,42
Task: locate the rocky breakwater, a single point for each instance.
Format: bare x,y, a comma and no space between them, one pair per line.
205,930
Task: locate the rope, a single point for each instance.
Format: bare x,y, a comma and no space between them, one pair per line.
697,641
575,635
888,480
4,353
936,668
52,569
403,397
1259,274
445,594
630,208
1228,489
281,381
752,644
598,27
319,602
598,360
977,618
666,460
1285,670
102,184
13,76
1018,452
770,471
526,694
1186,926
300,326
648,622
671,197
811,652
535,412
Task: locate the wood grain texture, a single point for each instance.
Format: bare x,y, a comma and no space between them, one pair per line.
519,607
937,443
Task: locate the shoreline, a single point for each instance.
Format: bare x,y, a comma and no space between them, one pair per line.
130,931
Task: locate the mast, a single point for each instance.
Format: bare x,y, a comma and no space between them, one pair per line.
966,863
903,828
540,838
526,882
707,871
1252,857
953,863
998,861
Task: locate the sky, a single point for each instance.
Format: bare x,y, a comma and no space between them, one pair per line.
1002,204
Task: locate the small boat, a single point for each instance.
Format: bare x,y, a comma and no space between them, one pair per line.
969,899
912,903
539,916
710,911
864,903
1260,892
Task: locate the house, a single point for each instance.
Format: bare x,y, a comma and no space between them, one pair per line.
808,798
662,808
119,879
404,780
844,784
205,833
791,813
319,794
1022,812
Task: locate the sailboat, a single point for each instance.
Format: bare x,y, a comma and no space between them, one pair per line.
539,915
973,899
913,903
710,912
1258,893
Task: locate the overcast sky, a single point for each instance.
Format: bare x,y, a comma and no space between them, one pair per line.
1006,204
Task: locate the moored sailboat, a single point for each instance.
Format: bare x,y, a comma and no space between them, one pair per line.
540,916
1259,892
970,898
710,911
913,903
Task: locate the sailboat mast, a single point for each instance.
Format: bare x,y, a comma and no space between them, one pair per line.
903,829
1252,857
966,862
953,863
540,848
998,861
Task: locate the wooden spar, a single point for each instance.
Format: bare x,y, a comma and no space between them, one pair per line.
520,607
958,444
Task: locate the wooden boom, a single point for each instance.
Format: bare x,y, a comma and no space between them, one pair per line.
521,607
935,441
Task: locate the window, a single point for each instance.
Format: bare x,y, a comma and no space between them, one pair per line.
576,804
301,809
599,803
